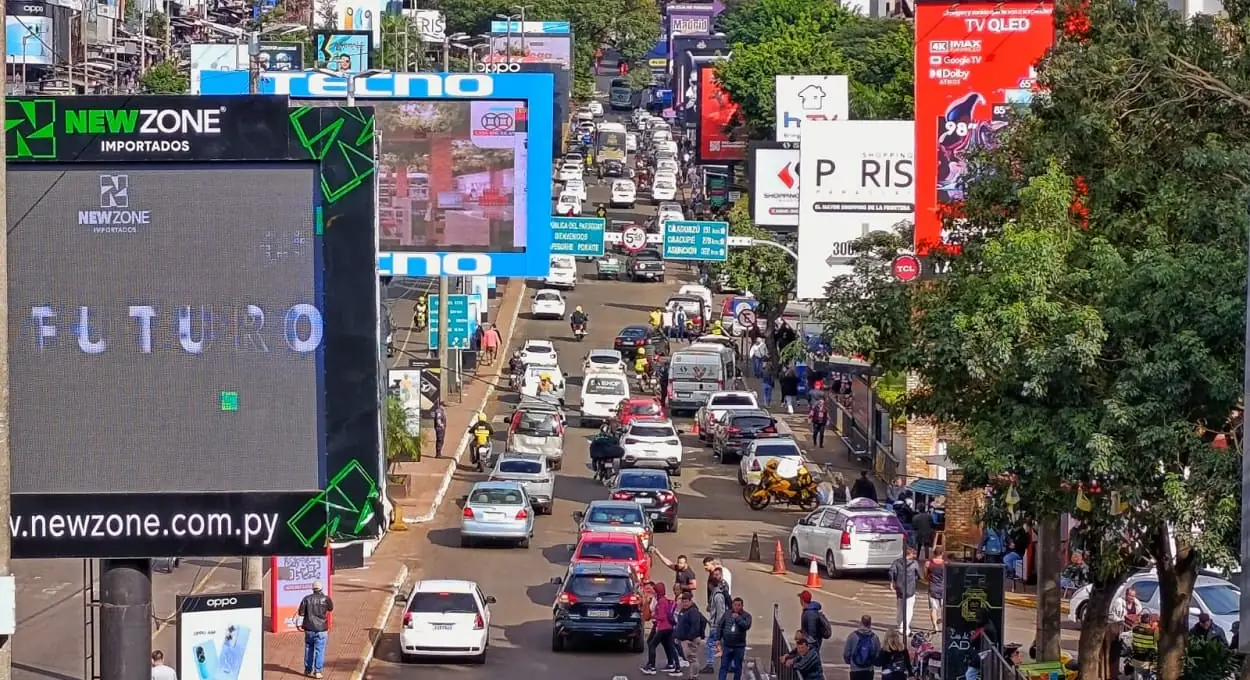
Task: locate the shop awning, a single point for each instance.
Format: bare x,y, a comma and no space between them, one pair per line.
928,487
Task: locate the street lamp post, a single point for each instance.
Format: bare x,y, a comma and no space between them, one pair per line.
521,9
508,19
471,51
351,80
448,40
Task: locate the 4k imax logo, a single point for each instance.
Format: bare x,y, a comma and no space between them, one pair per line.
30,129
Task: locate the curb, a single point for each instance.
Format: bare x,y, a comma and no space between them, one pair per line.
384,615
463,446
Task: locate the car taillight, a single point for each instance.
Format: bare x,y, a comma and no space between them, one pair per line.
568,598
845,542
522,513
639,343
468,513
769,430
408,620
666,497
620,496
755,466
631,441
631,598
733,430
478,623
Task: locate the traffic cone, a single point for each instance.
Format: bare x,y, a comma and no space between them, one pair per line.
813,574
779,560
695,430
753,555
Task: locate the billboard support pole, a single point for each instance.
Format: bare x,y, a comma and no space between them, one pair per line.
443,323
125,619
6,644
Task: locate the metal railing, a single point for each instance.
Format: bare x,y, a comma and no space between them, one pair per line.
993,665
778,649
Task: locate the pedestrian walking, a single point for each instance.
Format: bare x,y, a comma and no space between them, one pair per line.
718,603
689,633
812,622
679,323
818,416
159,670
733,639
805,659
720,572
758,353
864,487
663,621
861,650
935,574
893,659
440,428
922,526
815,392
766,386
789,383
314,614
904,579
490,343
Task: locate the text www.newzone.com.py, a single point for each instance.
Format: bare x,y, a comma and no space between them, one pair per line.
249,527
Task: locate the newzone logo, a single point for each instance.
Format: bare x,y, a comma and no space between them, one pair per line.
222,602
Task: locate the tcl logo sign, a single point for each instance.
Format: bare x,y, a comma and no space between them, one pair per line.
222,602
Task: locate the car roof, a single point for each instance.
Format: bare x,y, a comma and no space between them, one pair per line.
732,393
548,290
749,412
603,352
517,455
444,586
635,326
541,343
638,401
608,505
606,537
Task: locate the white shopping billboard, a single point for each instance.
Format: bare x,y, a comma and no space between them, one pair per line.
773,182
431,24
804,98
209,58
858,177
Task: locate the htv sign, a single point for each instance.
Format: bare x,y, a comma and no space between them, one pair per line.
788,121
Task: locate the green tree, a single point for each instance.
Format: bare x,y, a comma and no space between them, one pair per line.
401,442
766,272
164,78
751,22
1088,340
402,49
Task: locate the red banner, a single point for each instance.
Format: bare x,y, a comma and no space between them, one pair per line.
974,64
716,113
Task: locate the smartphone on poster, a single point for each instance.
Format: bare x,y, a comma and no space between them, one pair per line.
233,649
205,654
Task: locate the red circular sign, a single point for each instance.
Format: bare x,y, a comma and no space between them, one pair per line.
906,268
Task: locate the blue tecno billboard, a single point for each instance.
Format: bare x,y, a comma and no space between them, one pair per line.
464,175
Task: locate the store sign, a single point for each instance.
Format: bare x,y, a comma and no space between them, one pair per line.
773,178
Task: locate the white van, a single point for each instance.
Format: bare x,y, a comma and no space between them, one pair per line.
563,273
602,392
728,355
693,375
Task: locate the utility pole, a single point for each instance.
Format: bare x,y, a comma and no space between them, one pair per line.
1243,616
6,497
253,571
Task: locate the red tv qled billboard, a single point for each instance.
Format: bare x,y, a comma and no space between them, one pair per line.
974,63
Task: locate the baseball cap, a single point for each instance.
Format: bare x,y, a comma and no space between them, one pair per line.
805,596
1204,617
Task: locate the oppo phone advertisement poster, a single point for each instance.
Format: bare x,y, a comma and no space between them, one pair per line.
221,636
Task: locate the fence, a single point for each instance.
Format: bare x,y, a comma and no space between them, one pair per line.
778,650
993,665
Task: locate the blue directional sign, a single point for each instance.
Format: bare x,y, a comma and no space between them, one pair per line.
696,240
578,236
460,330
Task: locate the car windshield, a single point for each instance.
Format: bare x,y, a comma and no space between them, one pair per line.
633,332
753,422
732,400
538,349
548,297
778,450
541,424
569,198
496,497
598,586
561,264
521,467
643,481
615,515
608,550
443,603
605,386
664,185
648,409
1221,599
878,524
652,431
604,359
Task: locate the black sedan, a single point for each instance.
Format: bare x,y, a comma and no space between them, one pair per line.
738,430
653,490
631,338
597,601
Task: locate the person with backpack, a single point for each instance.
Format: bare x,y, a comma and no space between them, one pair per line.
690,631
717,606
813,623
663,621
733,639
904,579
861,650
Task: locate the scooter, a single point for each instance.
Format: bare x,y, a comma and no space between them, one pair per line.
579,331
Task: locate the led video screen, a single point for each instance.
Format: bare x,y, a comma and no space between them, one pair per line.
160,341
452,174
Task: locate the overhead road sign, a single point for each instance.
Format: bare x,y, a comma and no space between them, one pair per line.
696,240
460,327
577,236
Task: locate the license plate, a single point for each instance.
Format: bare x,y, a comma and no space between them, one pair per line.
644,501
493,516
600,613
443,626
683,394
651,451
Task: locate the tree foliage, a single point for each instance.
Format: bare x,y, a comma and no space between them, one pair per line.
765,271
778,37
164,78
1088,339
402,48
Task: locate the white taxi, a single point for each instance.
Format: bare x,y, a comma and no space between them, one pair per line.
602,393
603,360
569,203
547,304
624,193
664,189
570,172
761,452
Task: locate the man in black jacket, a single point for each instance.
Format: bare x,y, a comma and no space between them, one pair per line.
689,632
812,620
864,487
733,639
805,660
314,613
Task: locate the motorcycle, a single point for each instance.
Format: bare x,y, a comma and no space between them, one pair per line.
478,455
579,331
759,497
928,656
646,383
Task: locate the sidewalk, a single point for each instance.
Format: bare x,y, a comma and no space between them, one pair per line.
364,598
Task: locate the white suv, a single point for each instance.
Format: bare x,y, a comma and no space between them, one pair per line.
858,536
652,444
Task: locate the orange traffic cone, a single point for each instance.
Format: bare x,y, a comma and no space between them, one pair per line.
695,430
813,574
779,560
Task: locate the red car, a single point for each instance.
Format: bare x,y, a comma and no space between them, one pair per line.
636,409
612,548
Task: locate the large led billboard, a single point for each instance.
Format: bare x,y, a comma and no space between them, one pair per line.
684,81
974,63
457,154
187,375
531,42
718,114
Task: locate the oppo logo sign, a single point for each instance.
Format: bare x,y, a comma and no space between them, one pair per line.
222,602
499,68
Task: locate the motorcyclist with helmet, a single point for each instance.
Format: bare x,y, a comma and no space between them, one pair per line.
641,364
717,329
578,318
545,384
482,433
656,318
776,484
605,454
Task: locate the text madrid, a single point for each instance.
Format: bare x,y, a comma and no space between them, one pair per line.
244,327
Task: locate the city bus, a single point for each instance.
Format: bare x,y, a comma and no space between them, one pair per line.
620,97
610,146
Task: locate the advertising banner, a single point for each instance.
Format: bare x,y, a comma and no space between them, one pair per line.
527,49
685,78
281,56
688,19
342,52
974,63
773,181
858,177
431,24
360,15
224,396
801,98
291,577
221,635
28,39
717,114
532,27
456,208
416,386
974,597
207,59
562,104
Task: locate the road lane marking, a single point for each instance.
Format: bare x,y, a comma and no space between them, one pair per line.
195,587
